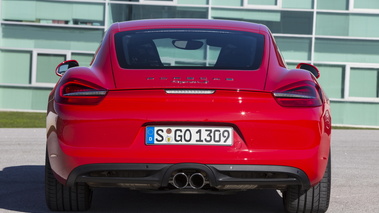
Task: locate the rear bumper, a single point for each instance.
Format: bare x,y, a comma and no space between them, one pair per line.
159,176
153,166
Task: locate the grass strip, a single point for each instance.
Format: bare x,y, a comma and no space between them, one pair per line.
22,120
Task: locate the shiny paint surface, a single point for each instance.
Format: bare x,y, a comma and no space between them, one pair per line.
113,130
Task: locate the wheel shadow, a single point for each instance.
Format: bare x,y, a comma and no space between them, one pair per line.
22,190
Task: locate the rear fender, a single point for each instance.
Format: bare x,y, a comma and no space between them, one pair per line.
92,75
283,77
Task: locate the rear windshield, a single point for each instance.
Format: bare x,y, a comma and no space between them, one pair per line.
188,49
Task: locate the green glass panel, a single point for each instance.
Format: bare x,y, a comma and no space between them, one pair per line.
13,11
48,11
122,12
51,38
263,2
355,25
39,99
366,4
27,98
194,2
15,67
83,59
234,3
333,4
53,12
332,80
46,64
333,24
364,83
291,22
246,15
364,25
351,113
294,48
88,14
297,4
287,22
338,50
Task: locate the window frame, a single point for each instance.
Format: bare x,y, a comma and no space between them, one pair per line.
259,6
33,64
158,2
347,88
361,10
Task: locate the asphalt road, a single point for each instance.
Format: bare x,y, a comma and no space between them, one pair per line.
355,172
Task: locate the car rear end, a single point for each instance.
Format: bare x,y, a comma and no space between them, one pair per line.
189,117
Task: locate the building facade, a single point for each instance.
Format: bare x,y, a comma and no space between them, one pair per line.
341,37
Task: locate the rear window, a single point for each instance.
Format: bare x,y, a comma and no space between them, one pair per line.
188,49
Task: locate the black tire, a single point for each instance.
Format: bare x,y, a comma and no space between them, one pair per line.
63,198
313,200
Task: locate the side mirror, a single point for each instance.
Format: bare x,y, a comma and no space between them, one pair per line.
311,68
64,66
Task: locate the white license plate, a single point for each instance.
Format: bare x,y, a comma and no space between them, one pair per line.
221,136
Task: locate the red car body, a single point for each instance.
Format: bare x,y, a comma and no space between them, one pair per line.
279,121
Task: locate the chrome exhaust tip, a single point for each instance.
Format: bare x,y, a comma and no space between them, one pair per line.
197,181
180,180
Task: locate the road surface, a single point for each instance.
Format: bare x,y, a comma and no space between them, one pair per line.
355,181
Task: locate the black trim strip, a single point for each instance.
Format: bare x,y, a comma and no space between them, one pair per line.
217,174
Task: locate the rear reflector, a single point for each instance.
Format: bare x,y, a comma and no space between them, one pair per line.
290,95
199,92
86,93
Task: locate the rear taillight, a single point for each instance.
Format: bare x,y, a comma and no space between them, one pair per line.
299,94
76,92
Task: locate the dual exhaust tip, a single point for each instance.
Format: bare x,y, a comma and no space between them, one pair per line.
181,180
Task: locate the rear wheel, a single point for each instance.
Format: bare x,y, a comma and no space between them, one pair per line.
313,200
63,198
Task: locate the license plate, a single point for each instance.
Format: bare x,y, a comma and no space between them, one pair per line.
219,136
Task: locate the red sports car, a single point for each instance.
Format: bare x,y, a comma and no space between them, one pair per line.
200,106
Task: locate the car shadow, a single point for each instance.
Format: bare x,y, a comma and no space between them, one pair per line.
22,190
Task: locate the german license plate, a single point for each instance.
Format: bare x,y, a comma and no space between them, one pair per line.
219,136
